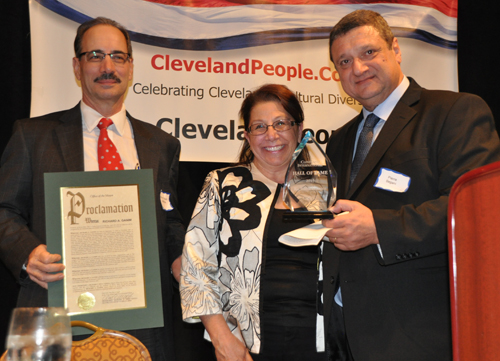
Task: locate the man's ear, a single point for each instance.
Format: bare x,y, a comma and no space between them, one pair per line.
76,68
397,50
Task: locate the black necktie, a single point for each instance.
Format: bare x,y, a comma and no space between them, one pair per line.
364,145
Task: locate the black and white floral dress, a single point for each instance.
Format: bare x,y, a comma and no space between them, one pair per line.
222,256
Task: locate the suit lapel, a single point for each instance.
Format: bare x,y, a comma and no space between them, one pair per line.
347,156
400,116
70,137
147,151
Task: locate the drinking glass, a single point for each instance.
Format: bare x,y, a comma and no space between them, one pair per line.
39,334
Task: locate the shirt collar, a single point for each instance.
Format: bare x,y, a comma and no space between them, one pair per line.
91,117
384,109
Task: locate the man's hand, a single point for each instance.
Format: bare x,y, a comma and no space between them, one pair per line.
42,267
354,230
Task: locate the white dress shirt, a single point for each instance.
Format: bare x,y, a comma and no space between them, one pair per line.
120,133
383,111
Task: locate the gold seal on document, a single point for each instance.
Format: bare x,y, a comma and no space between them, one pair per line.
86,301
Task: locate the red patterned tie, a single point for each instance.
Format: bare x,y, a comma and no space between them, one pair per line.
109,159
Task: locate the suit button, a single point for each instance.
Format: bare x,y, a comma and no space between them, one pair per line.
398,257
332,280
417,254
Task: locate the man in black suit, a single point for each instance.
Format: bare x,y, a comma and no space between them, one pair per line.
67,141
386,287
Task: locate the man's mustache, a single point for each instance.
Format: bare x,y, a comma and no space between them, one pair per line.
108,76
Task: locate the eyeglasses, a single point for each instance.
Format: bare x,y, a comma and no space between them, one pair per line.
279,126
98,56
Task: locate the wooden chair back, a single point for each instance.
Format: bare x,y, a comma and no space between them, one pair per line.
107,345
474,247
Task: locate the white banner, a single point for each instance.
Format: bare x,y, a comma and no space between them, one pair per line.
193,65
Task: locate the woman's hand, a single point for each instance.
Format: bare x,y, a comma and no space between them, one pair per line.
227,346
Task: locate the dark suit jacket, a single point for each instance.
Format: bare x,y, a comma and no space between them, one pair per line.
397,307
54,143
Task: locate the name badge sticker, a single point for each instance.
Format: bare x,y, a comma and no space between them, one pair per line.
165,201
390,180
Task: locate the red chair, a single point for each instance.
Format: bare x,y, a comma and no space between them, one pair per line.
474,244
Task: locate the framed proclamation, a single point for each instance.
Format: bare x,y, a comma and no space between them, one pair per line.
103,224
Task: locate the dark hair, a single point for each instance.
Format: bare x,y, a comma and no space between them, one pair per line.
99,21
361,18
268,93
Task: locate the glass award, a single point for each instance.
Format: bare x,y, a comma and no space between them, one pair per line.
310,186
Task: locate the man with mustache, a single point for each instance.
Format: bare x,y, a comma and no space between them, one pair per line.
386,286
68,141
